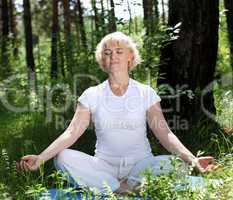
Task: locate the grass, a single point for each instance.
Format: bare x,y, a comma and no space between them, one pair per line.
27,133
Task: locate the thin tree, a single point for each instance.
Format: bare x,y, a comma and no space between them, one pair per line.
130,16
229,15
5,18
54,41
148,13
28,36
82,26
5,36
13,26
68,39
112,18
163,12
102,18
77,28
29,45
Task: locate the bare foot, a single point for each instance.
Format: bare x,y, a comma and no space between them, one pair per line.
124,188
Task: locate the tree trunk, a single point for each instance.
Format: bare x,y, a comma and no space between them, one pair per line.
5,18
61,54
5,37
188,63
229,15
28,36
29,46
148,16
68,39
13,27
112,18
102,19
155,14
82,26
96,15
97,31
130,17
77,28
54,42
163,12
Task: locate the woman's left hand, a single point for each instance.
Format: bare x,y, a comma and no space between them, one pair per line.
203,164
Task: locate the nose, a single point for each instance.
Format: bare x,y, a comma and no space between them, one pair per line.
113,55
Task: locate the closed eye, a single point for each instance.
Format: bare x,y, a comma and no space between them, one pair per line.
107,52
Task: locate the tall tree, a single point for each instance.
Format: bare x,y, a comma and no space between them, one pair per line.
98,25
163,11
82,26
28,35
112,18
229,15
150,16
189,62
130,16
13,26
54,41
102,18
5,35
29,45
96,15
5,18
68,39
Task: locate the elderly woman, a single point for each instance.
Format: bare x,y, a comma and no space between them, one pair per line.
120,107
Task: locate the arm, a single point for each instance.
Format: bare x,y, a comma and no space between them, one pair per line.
160,128
76,128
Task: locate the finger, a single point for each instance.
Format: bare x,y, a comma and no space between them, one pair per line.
207,158
17,166
21,165
26,166
26,158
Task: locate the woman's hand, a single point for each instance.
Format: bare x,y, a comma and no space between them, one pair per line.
30,162
203,164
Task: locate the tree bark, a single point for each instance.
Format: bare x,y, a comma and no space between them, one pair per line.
29,46
96,21
148,16
5,18
28,36
229,15
82,26
5,37
112,19
54,42
68,39
130,17
189,62
13,27
102,16
163,12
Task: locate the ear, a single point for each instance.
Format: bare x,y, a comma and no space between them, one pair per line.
131,56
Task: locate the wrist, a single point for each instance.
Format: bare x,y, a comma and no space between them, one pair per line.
41,159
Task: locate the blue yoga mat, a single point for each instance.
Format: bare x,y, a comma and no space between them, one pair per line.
58,194
192,182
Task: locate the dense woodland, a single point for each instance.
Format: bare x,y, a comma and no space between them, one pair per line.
47,60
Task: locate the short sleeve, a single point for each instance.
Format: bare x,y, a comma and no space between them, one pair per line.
151,97
88,99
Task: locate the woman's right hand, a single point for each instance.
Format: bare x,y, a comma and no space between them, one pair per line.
30,162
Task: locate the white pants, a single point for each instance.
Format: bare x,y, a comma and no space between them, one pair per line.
96,171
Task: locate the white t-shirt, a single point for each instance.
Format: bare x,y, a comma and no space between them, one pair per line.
120,121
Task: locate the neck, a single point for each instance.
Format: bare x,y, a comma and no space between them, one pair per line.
118,79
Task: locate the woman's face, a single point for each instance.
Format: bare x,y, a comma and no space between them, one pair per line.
116,57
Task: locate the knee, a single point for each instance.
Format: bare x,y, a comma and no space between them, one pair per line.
61,158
